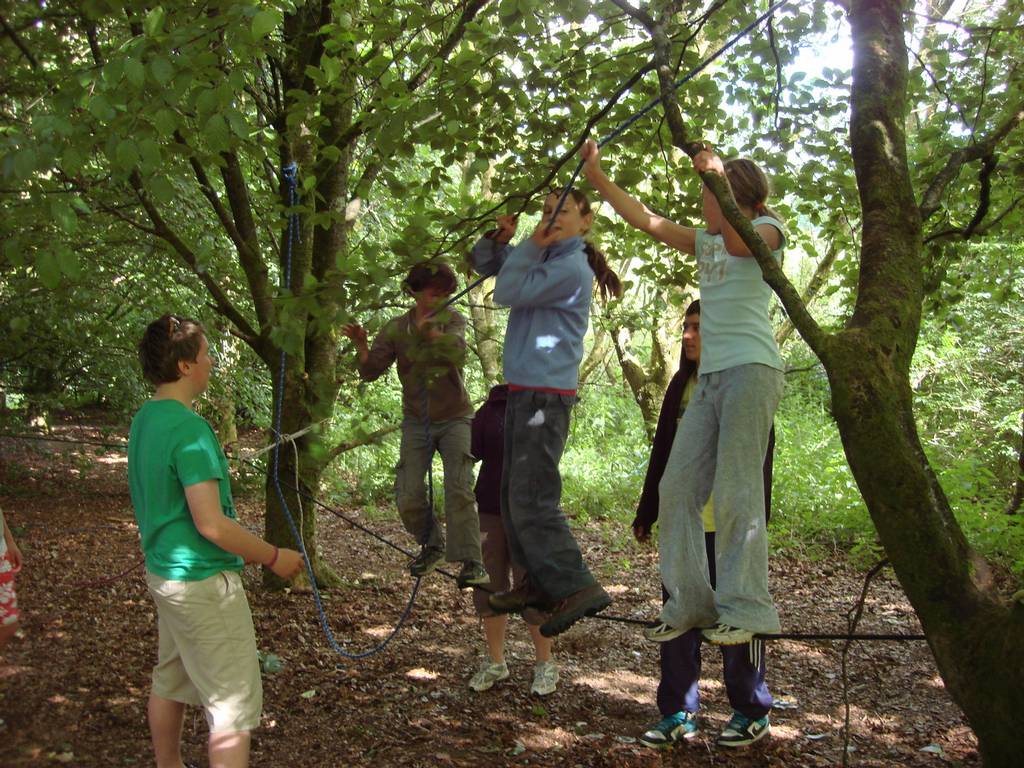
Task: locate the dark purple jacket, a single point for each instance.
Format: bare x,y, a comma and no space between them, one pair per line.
487,444
664,434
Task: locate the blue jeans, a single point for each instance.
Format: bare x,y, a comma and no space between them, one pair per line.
538,535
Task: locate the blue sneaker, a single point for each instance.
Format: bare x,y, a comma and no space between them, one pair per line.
743,730
678,727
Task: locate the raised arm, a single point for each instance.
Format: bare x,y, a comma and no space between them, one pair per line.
707,160
635,213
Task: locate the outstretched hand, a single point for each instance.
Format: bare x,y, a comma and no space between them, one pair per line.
355,332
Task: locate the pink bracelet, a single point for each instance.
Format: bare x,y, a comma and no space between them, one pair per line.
274,558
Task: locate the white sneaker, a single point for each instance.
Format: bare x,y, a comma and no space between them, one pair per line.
723,634
490,672
545,678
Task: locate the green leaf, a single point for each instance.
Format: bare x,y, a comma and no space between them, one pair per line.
160,189
166,122
161,70
154,22
99,107
265,22
24,163
126,155
331,68
48,269
135,72
216,133
69,263
64,216
150,153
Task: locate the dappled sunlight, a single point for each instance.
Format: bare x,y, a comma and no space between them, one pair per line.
113,459
421,675
620,685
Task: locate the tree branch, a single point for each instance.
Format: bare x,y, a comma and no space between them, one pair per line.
638,14
816,283
413,83
16,39
252,262
164,232
931,200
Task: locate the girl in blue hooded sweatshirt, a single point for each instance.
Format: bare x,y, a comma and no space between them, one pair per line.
547,281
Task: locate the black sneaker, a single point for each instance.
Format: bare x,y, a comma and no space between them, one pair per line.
743,730
425,561
589,601
472,575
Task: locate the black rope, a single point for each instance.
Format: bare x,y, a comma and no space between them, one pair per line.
806,636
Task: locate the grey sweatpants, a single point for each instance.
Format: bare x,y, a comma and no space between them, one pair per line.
451,439
720,447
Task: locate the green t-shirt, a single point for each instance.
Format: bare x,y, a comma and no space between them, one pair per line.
171,447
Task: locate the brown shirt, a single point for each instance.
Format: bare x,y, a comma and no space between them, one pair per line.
425,365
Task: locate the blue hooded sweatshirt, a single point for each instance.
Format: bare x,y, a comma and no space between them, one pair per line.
549,291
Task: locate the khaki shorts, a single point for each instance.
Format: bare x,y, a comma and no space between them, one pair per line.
207,649
498,563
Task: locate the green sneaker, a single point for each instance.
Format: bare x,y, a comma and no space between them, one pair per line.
743,730
425,561
666,732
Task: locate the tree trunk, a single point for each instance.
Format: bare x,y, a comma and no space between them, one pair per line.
300,409
485,334
975,636
648,384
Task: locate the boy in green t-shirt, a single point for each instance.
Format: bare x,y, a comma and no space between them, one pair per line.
195,549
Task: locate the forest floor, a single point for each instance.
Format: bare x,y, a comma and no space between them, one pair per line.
73,688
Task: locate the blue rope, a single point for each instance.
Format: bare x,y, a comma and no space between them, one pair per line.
290,175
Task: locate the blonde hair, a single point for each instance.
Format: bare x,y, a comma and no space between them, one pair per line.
749,186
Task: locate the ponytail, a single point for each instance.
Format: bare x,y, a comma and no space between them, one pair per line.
607,281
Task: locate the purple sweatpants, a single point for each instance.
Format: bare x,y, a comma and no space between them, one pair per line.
743,668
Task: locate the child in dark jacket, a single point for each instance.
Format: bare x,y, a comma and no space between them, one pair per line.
487,447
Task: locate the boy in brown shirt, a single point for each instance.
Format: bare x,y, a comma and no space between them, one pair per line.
429,347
